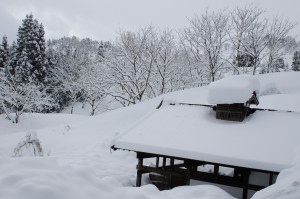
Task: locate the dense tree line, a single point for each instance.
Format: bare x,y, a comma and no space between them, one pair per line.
39,76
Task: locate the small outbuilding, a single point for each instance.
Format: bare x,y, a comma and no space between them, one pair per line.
233,96
179,144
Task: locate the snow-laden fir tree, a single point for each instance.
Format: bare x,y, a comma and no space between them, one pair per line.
13,60
31,51
4,53
296,61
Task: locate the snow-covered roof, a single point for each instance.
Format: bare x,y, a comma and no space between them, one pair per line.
266,140
233,89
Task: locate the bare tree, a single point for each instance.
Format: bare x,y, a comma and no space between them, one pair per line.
165,72
206,37
92,85
190,61
242,20
130,66
255,42
278,40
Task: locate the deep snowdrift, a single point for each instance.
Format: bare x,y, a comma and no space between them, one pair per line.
78,162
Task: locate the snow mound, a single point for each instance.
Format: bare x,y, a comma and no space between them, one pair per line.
287,186
282,82
233,89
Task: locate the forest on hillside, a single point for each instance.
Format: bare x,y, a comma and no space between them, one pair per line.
39,75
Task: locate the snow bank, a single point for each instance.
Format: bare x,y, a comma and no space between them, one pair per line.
280,91
287,186
233,89
190,192
48,178
283,82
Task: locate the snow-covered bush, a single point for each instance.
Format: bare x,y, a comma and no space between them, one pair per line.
29,146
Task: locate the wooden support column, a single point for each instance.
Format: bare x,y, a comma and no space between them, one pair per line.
170,173
188,176
271,179
139,172
246,175
164,162
172,162
157,162
216,171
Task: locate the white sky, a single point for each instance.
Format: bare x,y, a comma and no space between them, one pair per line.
101,19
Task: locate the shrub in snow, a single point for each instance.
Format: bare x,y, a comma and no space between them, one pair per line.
29,146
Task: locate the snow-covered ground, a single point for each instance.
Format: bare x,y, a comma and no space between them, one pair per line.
78,163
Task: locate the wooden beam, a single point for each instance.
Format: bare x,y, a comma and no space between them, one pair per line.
202,162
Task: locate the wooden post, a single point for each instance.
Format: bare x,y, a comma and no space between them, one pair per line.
271,179
164,162
188,175
172,162
246,175
216,171
139,172
170,173
157,162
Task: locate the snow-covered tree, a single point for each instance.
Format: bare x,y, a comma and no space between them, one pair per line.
242,20
13,60
296,61
4,54
93,84
278,40
69,60
190,61
17,98
131,64
31,51
256,41
166,70
206,37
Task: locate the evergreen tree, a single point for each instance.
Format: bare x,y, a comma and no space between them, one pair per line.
296,61
101,50
277,65
4,53
31,51
245,60
13,60
23,68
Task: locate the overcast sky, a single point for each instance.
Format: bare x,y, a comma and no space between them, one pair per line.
101,19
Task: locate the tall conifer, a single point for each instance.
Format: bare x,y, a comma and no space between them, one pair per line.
296,61
31,51
4,53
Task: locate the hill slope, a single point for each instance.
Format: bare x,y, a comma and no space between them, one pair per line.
78,162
